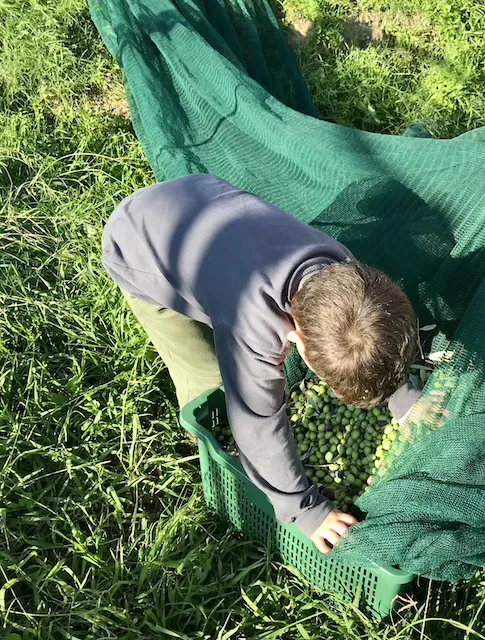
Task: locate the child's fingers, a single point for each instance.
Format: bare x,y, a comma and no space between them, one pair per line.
332,536
340,527
346,517
321,545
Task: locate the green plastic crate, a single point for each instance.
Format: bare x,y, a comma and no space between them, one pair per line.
229,491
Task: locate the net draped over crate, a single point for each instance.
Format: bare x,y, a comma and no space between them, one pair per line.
213,88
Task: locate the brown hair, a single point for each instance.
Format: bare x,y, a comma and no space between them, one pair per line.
359,331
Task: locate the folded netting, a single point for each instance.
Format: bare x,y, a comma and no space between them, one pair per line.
213,87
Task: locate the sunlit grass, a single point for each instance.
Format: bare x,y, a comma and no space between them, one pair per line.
383,65
103,529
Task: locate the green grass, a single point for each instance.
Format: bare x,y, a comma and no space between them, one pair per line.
103,530
408,61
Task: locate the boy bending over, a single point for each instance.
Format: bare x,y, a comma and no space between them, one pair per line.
223,282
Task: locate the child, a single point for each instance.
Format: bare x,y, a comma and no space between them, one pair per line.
209,269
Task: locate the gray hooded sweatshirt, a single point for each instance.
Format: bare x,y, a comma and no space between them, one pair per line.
227,258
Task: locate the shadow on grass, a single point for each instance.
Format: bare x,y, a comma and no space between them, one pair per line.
81,37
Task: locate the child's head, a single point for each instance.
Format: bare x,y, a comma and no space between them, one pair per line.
357,330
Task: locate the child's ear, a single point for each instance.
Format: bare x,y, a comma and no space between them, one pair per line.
296,337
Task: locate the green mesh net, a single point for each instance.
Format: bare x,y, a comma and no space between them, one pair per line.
213,87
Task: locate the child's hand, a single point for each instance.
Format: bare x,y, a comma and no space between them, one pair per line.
334,525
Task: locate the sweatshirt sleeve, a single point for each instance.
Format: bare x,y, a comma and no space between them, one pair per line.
402,401
256,406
